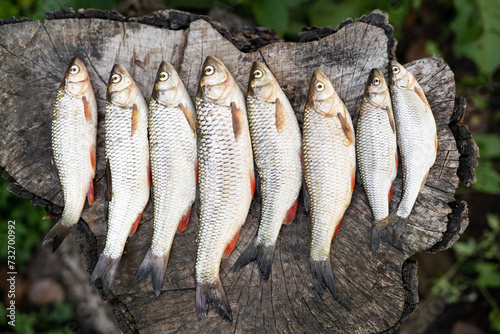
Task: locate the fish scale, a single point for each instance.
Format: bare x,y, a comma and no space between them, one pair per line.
329,168
73,139
276,142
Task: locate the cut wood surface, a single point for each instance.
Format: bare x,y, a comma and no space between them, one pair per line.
375,293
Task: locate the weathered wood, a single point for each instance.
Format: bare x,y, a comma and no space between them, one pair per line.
375,294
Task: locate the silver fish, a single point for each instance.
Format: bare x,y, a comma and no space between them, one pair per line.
172,150
127,168
226,180
329,170
376,148
74,130
276,145
417,141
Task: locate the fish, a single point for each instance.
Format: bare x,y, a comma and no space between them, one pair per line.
127,181
276,142
417,142
172,152
329,172
73,136
226,180
376,149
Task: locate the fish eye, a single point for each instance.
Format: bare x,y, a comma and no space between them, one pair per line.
74,69
116,78
257,74
209,70
163,76
320,86
376,81
395,70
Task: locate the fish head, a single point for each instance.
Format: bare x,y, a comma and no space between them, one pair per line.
121,87
216,83
168,88
322,97
76,80
400,76
376,91
262,83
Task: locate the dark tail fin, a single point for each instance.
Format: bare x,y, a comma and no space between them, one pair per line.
212,293
56,235
389,230
153,265
262,254
105,269
323,277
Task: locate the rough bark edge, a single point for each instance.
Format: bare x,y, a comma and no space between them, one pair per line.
376,18
467,147
410,287
458,220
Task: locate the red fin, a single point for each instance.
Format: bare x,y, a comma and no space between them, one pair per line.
196,171
136,225
90,194
237,122
397,161
337,228
252,182
149,175
280,115
390,193
92,158
290,215
86,109
135,118
436,143
230,246
184,221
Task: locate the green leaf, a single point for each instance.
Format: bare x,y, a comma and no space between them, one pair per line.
271,13
494,318
493,222
465,248
488,179
489,274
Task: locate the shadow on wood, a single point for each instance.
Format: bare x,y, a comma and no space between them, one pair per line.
375,293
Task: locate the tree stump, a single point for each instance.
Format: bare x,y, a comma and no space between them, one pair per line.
375,293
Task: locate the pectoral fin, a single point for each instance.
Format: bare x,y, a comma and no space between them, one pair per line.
189,116
135,118
237,120
421,94
346,127
280,115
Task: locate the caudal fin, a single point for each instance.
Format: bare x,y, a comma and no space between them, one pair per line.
153,265
212,294
105,269
389,230
323,277
56,235
262,254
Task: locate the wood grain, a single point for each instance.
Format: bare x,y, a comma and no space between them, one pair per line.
375,293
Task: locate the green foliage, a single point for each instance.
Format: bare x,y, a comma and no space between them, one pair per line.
476,32
29,227
477,270
49,320
488,179
36,9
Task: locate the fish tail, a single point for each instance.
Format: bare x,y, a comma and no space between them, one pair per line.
323,277
105,269
153,265
56,235
212,293
389,230
260,253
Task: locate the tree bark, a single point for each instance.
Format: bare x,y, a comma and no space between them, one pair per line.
375,293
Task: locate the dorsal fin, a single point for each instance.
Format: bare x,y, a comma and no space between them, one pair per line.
237,122
189,116
346,127
280,115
